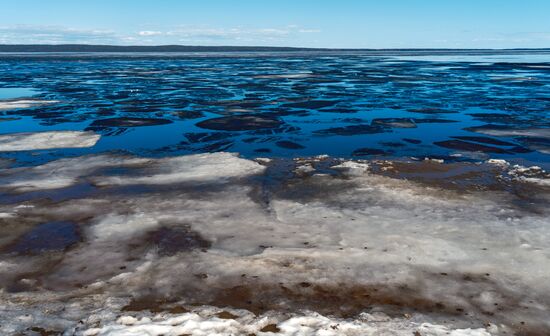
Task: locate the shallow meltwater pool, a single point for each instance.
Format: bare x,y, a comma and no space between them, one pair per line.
275,194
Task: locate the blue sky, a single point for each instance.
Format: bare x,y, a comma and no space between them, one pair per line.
308,23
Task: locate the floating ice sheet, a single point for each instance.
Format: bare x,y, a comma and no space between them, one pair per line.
23,103
47,140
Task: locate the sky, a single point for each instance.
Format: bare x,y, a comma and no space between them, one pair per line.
296,23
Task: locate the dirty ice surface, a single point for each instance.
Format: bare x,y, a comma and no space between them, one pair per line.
374,194
216,244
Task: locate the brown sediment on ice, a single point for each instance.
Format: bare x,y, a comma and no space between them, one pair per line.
458,176
154,305
462,243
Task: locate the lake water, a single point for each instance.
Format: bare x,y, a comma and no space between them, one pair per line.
455,107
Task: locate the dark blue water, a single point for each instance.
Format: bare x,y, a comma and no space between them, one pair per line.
349,105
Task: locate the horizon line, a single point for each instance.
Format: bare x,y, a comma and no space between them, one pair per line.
167,47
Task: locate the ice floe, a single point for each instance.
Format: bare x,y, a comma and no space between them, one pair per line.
23,103
505,131
47,140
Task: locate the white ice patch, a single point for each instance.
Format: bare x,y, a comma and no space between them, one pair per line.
23,103
192,168
47,140
353,168
4,215
204,322
304,169
441,161
438,330
195,168
498,162
61,173
533,174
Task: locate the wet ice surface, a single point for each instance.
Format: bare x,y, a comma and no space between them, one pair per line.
334,104
213,243
117,217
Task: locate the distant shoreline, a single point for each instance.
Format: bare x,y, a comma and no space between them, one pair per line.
86,48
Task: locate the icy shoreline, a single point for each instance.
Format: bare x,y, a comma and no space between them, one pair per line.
207,320
165,245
